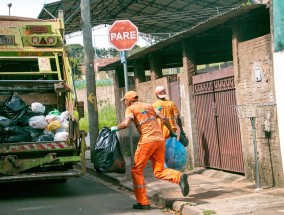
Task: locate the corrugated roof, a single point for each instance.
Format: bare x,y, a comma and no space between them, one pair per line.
155,17
199,27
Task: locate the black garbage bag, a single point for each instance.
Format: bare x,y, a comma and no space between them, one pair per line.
21,117
5,122
107,153
183,139
13,134
24,118
16,138
15,103
45,137
35,133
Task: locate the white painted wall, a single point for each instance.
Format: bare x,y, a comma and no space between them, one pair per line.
278,62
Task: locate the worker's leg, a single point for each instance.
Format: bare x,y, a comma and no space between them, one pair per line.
157,159
142,155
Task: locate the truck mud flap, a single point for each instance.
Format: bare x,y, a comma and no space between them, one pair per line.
41,176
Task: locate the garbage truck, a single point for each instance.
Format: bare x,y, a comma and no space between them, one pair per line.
34,69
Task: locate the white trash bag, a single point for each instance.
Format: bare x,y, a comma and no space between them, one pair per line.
37,107
38,122
51,117
61,136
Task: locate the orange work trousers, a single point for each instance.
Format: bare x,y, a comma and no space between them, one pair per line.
154,151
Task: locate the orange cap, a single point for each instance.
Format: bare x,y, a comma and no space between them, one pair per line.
160,92
130,95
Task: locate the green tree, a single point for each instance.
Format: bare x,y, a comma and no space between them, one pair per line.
76,58
106,53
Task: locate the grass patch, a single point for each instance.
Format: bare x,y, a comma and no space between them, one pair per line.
208,212
107,118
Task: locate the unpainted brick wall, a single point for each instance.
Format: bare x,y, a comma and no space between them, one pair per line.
252,54
105,95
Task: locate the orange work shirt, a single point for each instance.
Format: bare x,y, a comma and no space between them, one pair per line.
144,117
170,111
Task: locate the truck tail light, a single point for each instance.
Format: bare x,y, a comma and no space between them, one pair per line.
35,40
50,40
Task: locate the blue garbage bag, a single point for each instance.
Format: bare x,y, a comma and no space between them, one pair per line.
175,155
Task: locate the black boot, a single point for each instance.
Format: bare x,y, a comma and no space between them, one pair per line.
183,183
143,207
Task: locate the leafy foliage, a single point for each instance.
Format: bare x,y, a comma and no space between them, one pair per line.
107,117
76,58
106,53
81,84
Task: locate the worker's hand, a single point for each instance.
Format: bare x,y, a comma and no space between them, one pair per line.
173,134
114,129
182,132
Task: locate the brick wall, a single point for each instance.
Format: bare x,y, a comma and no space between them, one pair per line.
105,95
254,56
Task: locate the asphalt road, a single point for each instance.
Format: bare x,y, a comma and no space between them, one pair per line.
78,196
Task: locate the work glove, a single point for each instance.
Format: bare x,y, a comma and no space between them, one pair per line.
173,134
114,129
182,132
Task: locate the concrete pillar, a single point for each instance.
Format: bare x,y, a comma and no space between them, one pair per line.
119,75
187,100
139,72
155,67
118,85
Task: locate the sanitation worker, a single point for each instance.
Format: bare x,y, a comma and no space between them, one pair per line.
169,110
151,146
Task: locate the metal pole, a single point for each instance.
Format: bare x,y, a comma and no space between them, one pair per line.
90,75
124,56
124,61
9,5
252,119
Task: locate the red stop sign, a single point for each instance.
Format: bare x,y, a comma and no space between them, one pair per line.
123,35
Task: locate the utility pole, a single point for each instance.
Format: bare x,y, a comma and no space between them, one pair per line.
90,75
9,6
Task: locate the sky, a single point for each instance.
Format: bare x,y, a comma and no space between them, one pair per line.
32,8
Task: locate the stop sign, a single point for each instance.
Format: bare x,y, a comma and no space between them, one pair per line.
123,35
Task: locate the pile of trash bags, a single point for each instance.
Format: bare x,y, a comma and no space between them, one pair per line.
22,123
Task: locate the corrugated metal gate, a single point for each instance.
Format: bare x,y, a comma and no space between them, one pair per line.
219,136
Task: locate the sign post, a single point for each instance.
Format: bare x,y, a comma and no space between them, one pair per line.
123,35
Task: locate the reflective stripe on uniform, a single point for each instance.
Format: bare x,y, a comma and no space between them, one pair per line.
139,186
146,120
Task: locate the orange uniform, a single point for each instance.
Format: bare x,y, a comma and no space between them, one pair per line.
170,111
151,146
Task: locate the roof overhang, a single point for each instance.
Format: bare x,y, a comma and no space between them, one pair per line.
156,17
203,26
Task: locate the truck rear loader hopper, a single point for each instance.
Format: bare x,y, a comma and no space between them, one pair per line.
34,66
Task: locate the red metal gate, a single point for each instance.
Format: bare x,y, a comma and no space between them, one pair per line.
219,136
